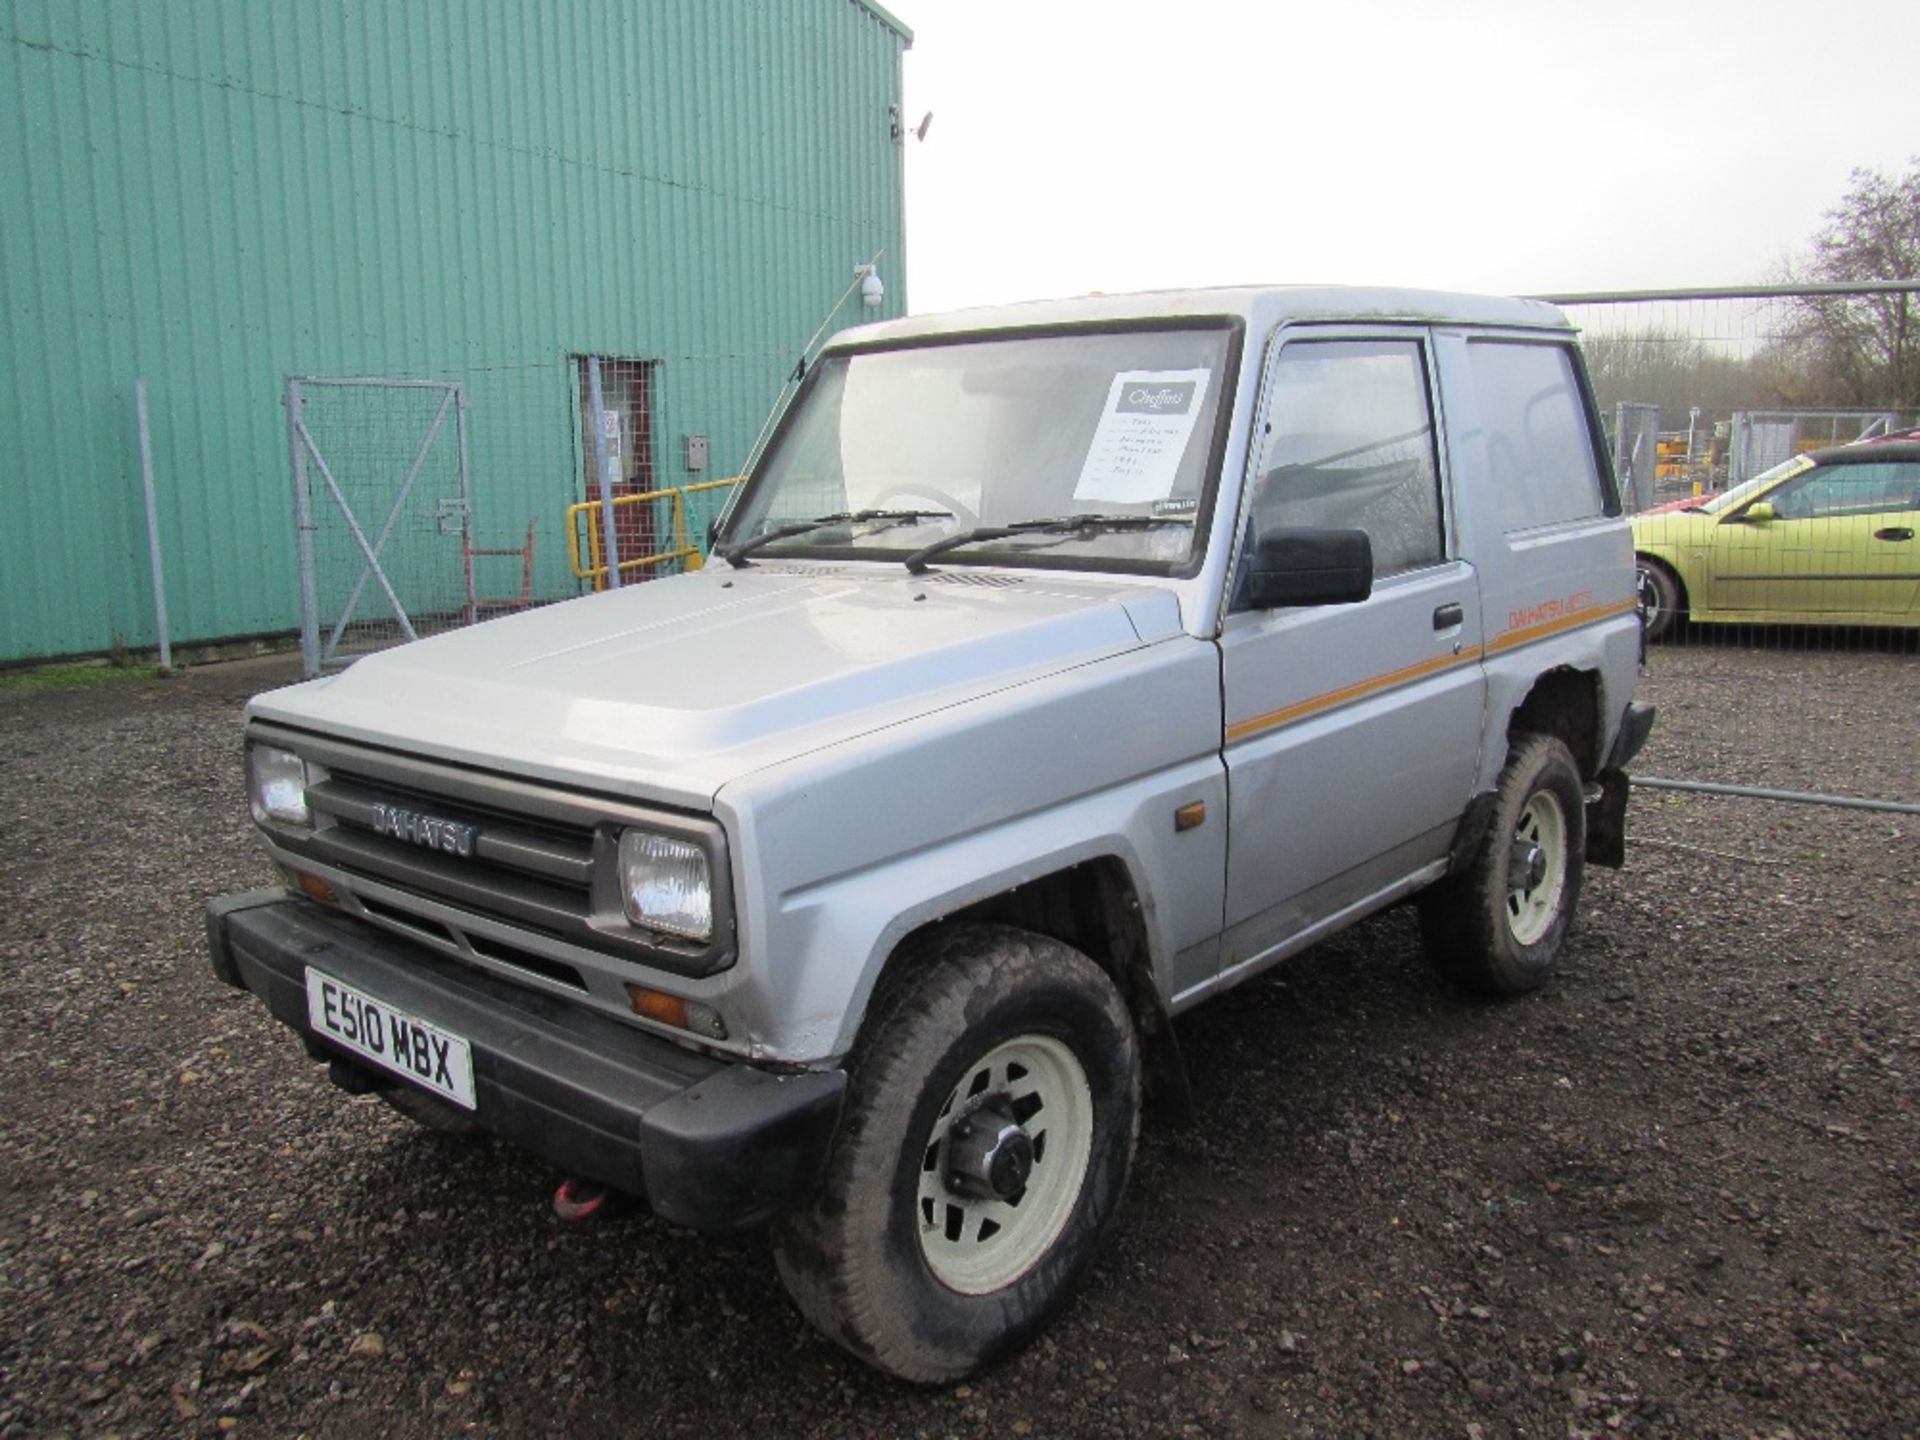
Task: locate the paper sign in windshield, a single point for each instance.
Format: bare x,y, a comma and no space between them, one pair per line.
1143,432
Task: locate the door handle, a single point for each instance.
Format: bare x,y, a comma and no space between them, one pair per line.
1893,532
1445,617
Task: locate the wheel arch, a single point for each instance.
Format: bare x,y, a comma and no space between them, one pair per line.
1564,702
1095,906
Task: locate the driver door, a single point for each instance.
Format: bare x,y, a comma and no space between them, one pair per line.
1352,731
1839,543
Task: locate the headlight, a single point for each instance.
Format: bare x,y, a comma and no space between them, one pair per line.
277,786
665,884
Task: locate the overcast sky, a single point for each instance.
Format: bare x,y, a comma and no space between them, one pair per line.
1463,144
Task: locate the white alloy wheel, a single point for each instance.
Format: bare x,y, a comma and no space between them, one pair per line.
1537,869
1027,1099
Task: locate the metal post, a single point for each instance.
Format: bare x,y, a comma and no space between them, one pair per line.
1909,284
598,404
153,526
466,496
1623,454
303,534
1791,797
860,272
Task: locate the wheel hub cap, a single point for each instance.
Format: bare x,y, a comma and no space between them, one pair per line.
1529,865
988,1154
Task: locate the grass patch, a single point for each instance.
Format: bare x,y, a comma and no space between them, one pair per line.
43,679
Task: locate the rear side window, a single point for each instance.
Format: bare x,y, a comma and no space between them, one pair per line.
1350,445
1539,449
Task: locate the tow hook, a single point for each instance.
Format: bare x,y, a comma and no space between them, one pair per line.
578,1199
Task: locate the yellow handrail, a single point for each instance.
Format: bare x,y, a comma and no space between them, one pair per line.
595,568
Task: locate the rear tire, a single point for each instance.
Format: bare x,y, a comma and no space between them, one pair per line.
929,1252
1497,927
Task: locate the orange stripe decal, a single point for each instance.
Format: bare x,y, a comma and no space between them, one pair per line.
1240,729
1360,689
1521,635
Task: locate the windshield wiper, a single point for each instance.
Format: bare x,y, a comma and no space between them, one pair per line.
1052,524
736,555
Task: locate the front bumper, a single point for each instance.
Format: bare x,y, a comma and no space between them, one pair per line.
711,1144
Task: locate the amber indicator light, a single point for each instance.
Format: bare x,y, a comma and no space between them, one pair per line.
314,888
667,1009
1190,815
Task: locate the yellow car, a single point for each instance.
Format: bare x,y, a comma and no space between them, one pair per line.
1826,538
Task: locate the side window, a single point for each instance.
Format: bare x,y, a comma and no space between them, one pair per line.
1350,445
1833,490
1539,449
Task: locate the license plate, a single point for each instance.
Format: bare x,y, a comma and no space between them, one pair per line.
430,1057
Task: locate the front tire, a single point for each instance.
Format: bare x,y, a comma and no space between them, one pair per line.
1498,927
991,1116
1658,591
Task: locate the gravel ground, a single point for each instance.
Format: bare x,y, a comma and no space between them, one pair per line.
1675,1194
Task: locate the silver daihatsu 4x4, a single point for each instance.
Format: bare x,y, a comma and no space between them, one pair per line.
1070,663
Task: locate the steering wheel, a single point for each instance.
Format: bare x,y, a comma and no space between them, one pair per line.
965,514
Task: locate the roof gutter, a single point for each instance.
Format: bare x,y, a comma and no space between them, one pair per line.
888,18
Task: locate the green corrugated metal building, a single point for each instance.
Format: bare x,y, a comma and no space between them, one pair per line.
213,195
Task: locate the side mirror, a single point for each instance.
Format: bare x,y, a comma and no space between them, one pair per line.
1759,513
713,533
1309,567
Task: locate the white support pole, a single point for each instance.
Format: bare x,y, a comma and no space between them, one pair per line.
153,528
303,532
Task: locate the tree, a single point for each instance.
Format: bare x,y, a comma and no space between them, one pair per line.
1864,350
1669,368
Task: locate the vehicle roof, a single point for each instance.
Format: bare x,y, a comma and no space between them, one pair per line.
1260,304
1877,453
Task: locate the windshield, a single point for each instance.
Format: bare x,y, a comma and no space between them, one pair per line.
1746,489
898,450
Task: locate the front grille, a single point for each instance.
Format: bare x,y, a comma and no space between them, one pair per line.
538,874
459,841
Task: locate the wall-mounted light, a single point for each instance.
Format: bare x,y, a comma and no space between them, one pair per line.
872,292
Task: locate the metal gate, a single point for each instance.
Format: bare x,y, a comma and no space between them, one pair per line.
1761,439
1636,436
382,510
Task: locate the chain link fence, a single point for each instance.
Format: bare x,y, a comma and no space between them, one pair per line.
1759,439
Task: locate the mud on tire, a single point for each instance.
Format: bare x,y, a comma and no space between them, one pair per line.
984,1031
1498,926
